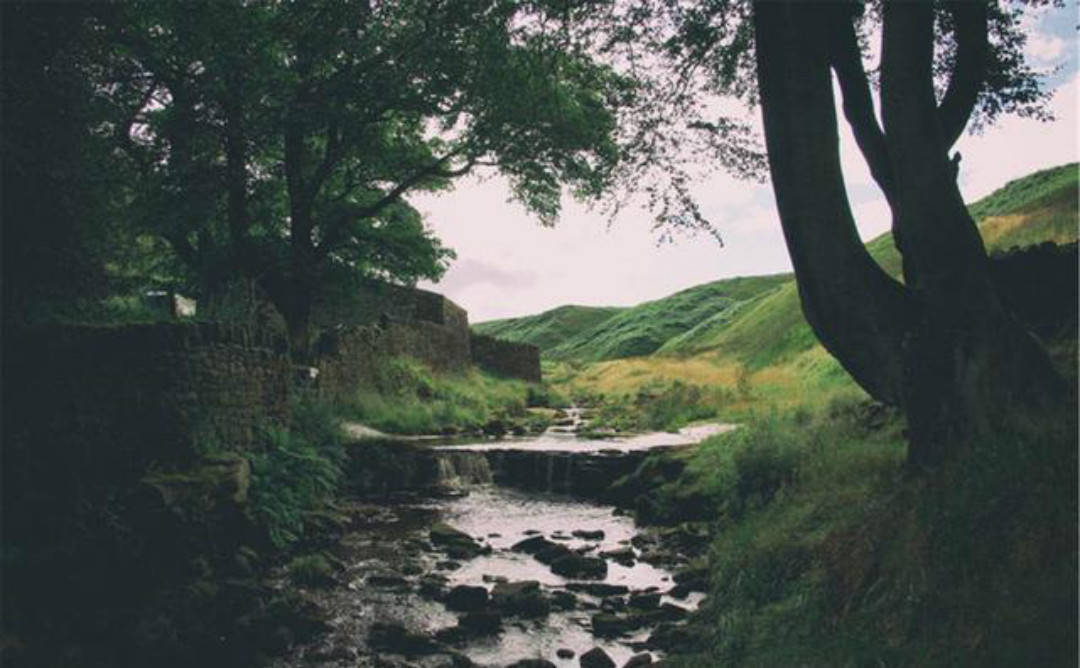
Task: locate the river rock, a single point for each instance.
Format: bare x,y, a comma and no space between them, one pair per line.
563,600
457,544
387,581
679,591
596,658
447,565
607,625
674,613
533,544
465,598
645,601
587,534
433,586
623,555
639,660
520,598
394,637
668,636
574,565
600,589
564,653
481,622
532,663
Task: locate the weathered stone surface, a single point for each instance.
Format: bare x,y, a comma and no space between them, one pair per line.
464,598
596,658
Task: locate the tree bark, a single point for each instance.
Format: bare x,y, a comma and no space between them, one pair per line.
856,310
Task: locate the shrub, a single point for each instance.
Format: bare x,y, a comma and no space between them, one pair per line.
296,472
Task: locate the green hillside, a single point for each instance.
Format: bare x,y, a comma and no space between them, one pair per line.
764,325
645,328
550,328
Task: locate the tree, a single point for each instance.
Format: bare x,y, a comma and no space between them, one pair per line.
939,344
279,140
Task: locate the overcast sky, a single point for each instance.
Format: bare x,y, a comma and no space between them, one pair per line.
508,265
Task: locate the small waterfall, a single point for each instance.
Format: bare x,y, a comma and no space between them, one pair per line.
463,468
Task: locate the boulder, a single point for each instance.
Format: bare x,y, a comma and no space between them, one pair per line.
639,660
395,638
623,555
481,622
387,581
596,658
457,544
587,534
564,653
464,598
532,663
533,544
600,589
668,636
574,565
645,601
609,625
563,600
520,598
673,613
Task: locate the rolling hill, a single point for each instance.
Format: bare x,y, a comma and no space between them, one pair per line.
549,329
713,333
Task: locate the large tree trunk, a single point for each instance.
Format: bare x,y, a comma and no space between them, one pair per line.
942,347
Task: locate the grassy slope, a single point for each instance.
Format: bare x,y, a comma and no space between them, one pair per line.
767,336
826,552
550,328
645,328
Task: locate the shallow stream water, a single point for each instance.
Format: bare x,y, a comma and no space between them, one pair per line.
391,546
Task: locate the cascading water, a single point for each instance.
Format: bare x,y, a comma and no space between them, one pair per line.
462,469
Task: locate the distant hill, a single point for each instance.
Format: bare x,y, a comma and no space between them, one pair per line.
645,328
549,329
757,322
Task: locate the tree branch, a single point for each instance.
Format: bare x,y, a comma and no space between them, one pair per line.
969,71
435,169
858,102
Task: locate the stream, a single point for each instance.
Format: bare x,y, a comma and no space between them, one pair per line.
504,566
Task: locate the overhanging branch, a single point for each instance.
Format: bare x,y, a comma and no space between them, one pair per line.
969,71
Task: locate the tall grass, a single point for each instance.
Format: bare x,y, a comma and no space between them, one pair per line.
827,554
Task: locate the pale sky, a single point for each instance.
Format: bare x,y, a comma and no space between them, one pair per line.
508,265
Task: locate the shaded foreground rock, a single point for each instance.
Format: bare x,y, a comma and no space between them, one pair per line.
596,658
465,598
457,544
520,598
394,637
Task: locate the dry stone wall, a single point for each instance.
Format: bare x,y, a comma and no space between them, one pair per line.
506,358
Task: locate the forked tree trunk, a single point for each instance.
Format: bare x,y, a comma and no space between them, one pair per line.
942,348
